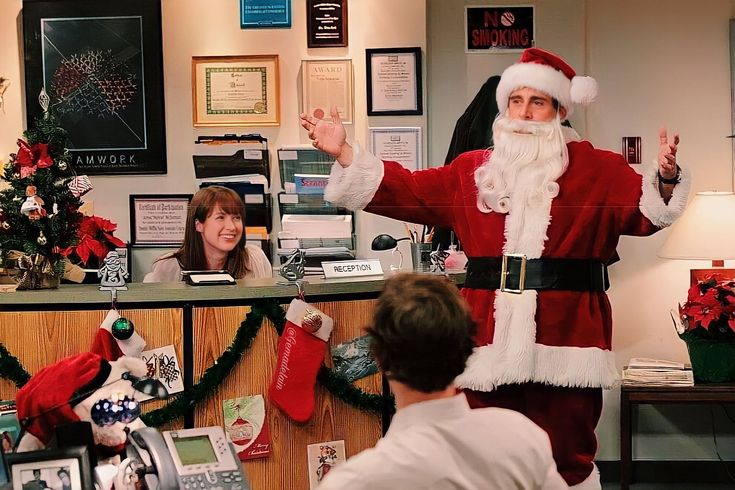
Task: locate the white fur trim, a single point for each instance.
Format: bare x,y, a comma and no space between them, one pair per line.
584,90
578,367
652,205
354,187
592,482
536,76
295,314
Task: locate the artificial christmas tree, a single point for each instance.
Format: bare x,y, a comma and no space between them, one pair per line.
39,214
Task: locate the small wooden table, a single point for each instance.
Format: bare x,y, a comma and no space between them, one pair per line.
631,395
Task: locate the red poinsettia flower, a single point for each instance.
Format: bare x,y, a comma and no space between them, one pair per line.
96,238
30,157
710,302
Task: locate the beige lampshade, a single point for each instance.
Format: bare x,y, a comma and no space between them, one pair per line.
705,231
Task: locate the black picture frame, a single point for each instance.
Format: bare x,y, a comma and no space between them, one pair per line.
141,235
102,65
403,94
326,23
50,462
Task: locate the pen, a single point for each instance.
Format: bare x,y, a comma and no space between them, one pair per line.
411,235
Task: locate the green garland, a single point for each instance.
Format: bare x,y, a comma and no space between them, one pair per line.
339,386
11,368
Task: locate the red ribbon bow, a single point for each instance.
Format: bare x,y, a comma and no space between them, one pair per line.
30,157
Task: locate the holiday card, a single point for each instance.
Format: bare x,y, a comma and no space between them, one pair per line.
323,457
352,359
247,427
9,426
164,366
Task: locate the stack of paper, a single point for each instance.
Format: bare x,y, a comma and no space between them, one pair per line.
657,372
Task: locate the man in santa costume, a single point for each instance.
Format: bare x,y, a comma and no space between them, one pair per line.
539,217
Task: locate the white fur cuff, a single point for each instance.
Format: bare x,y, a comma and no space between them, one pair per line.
652,204
354,187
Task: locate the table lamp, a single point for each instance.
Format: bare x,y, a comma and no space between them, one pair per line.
706,231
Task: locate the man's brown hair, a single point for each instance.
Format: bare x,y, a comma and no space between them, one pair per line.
422,331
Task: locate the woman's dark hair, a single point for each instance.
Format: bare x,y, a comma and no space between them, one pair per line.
422,331
191,254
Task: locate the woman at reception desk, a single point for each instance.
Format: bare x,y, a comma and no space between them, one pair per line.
213,240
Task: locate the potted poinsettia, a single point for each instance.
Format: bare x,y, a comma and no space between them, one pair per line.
708,317
95,239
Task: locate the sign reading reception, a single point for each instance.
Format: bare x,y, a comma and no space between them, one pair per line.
499,28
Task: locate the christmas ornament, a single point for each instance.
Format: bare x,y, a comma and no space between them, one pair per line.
301,351
63,166
33,205
41,239
108,411
5,225
31,157
80,185
122,328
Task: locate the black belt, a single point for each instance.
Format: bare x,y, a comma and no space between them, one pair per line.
514,273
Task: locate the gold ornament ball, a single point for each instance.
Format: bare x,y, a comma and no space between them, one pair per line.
62,165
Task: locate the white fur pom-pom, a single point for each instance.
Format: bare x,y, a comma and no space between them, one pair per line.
584,90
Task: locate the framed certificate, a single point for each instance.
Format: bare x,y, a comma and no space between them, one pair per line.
235,90
394,82
256,14
327,83
402,145
158,220
326,23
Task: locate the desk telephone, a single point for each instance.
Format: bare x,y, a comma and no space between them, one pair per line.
200,458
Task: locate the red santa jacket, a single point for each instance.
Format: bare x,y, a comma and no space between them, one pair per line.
556,337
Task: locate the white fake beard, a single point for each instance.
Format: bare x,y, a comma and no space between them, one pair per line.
528,152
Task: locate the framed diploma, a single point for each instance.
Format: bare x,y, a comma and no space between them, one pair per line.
327,83
256,14
394,82
158,220
326,23
101,63
235,90
402,145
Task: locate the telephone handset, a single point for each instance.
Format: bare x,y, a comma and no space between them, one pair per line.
188,458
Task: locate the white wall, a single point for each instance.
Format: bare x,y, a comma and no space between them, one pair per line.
212,27
657,62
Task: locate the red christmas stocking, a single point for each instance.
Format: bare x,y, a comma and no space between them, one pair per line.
301,351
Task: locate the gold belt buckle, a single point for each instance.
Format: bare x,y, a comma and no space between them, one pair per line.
504,273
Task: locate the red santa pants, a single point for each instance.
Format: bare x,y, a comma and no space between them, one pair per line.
568,415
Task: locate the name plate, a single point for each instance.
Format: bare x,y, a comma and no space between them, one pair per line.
352,268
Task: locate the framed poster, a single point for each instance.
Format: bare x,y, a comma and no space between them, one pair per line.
158,220
402,145
499,28
326,23
394,82
102,66
256,14
235,90
327,83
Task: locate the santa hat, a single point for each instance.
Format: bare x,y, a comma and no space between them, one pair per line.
47,399
548,73
110,347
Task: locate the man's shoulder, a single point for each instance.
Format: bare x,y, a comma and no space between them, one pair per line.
472,157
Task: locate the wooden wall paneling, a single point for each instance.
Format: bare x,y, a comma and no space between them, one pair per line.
287,466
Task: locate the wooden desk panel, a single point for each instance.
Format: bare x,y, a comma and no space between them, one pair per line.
38,339
286,467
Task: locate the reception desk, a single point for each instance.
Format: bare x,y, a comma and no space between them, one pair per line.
41,327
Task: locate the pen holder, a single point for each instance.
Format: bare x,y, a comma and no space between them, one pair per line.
420,256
